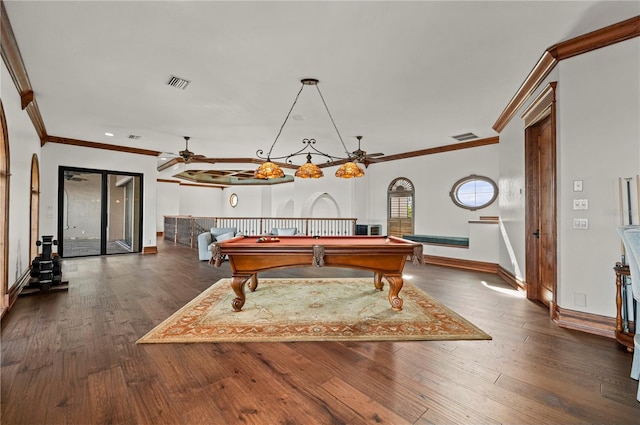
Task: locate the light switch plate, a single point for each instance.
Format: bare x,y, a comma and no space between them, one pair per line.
577,185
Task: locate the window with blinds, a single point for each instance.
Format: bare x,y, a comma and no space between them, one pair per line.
401,208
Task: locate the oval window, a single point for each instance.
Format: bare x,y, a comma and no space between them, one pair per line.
474,192
233,200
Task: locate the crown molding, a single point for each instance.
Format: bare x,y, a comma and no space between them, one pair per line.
544,66
438,149
597,39
15,65
105,146
585,43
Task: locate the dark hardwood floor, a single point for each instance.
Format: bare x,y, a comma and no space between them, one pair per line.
71,358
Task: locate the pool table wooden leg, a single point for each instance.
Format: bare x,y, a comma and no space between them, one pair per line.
395,285
377,281
237,284
253,283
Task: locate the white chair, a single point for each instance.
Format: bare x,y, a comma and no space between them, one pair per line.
216,234
631,239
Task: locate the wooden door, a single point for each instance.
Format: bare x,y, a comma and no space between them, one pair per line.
540,172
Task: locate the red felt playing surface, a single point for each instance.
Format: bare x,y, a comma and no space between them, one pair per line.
323,240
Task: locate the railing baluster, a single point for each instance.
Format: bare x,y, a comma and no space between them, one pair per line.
184,230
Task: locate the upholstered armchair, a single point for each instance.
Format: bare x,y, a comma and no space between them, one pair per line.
216,234
631,239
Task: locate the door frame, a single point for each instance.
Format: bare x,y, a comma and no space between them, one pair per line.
103,201
543,107
34,206
5,174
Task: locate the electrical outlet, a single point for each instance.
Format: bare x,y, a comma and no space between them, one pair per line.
581,223
580,204
579,299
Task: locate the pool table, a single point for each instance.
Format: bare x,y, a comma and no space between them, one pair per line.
384,256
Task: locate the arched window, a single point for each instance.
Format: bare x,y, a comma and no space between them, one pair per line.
4,210
401,207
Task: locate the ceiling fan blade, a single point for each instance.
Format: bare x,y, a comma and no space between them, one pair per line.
168,155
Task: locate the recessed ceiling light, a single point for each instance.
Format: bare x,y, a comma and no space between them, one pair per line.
108,134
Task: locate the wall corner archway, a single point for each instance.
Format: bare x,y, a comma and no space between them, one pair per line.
285,209
321,205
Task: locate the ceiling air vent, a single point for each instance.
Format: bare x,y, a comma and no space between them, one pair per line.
133,137
465,136
177,82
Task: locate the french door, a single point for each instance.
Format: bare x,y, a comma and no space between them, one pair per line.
99,212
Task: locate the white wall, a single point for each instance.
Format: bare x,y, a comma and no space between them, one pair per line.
166,196
598,140
433,176
23,143
55,155
200,201
290,199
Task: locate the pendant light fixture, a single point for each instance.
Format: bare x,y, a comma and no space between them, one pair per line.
270,170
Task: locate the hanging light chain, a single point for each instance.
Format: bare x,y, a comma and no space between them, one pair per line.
285,120
333,122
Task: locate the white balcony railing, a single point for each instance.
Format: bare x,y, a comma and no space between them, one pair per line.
184,230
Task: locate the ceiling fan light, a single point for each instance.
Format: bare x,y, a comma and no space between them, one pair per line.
309,170
268,170
349,170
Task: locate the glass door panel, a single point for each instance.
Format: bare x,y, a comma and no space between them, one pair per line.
81,214
123,214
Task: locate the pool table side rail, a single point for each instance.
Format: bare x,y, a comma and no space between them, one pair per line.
260,256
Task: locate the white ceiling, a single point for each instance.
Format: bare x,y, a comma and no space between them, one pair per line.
405,75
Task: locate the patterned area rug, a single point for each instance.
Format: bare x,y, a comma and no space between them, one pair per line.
328,309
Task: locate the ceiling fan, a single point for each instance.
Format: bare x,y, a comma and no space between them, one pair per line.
186,155
362,156
73,176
